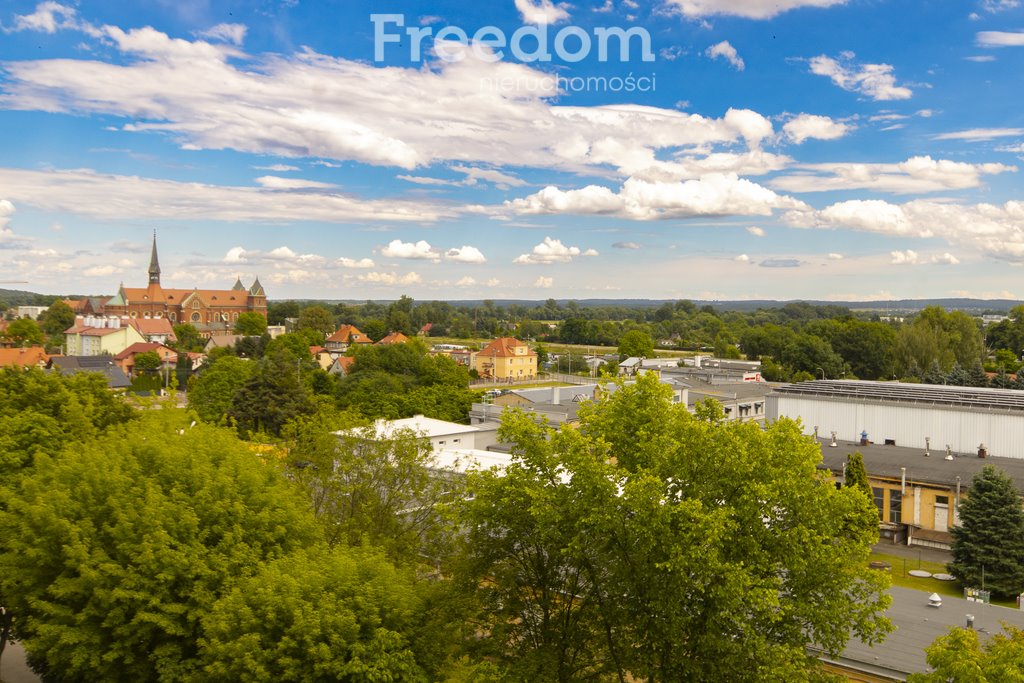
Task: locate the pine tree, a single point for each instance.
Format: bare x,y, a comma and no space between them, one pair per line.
958,377
989,543
934,374
976,377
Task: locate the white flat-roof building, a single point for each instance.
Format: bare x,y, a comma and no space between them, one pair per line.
925,416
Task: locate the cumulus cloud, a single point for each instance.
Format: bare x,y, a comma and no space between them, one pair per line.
544,282
379,278
101,271
552,251
876,81
742,258
1000,38
806,126
466,281
904,257
915,175
749,9
727,52
756,231
241,255
833,256
345,262
420,250
718,194
909,257
49,17
542,11
991,229
465,254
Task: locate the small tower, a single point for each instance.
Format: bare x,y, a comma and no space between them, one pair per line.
154,265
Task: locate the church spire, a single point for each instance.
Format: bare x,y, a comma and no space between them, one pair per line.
154,265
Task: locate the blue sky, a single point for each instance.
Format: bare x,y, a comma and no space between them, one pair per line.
827,149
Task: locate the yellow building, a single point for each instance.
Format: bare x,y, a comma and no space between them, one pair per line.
93,337
506,358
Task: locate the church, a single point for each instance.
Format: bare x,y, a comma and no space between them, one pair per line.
209,310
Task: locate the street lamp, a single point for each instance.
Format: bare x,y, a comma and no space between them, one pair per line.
822,373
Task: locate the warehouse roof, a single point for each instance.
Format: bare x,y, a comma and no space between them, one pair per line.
898,392
889,461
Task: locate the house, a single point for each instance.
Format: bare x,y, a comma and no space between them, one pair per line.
222,341
32,312
73,365
507,358
31,357
157,330
393,338
344,337
440,434
425,330
322,356
126,359
341,366
917,491
99,336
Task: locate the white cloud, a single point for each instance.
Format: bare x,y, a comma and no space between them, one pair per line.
980,134
980,58
241,255
833,256
915,175
911,257
756,231
378,278
1000,38
626,245
806,126
86,192
542,11
873,80
946,258
750,9
277,168
713,195
465,254
550,251
273,182
466,281
100,271
904,257
6,211
493,282
213,96
345,262
49,17
229,33
409,250
501,180
544,282
990,229
742,258
727,52
1014,149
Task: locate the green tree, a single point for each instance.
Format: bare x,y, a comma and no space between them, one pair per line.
116,548
212,393
857,475
653,544
988,545
148,361
279,311
24,332
57,318
320,615
187,337
636,344
271,396
318,319
250,324
960,657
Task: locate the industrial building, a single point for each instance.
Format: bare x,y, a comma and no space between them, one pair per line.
936,418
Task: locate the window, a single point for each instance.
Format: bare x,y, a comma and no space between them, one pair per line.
196,317
942,500
879,499
895,506
172,316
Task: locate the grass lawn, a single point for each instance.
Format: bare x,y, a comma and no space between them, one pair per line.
900,577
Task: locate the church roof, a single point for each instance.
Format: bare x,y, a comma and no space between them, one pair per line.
257,288
208,297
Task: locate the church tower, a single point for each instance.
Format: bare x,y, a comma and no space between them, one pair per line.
154,265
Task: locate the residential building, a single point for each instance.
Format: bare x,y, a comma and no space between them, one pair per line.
344,337
72,365
507,358
32,312
100,336
322,357
209,310
439,433
914,415
31,357
341,366
393,338
222,341
126,359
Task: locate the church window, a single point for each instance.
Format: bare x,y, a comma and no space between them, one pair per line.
196,317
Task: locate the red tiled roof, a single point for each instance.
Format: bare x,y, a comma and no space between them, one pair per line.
33,355
504,347
209,297
394,338
142,347
346,362
349,334
147,326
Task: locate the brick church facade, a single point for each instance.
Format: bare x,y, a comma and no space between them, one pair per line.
209,310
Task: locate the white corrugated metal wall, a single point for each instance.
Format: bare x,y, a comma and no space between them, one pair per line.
908,424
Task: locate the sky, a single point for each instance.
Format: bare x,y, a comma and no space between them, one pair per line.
528,149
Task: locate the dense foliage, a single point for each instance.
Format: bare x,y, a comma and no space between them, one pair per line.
960,657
